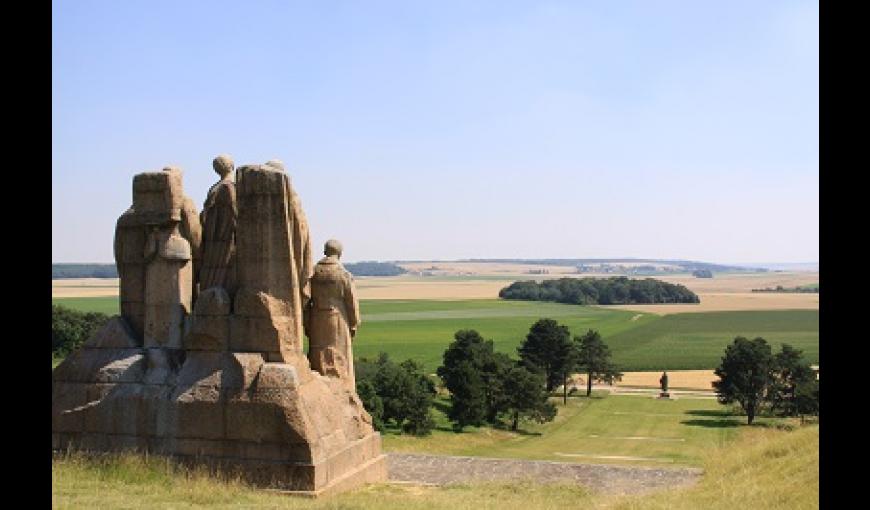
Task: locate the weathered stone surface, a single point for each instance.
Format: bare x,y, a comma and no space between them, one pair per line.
332,317
115,334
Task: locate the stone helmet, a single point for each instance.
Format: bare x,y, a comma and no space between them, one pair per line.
332,247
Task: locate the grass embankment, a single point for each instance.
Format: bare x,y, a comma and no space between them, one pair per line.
763,469
637,430
422,329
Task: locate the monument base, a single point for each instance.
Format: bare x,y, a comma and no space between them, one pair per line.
271,424
665,395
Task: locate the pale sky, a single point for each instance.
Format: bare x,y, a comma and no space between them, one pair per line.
446,130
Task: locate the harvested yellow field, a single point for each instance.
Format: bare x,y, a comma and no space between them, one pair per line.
400,287
84,287
478,280
727,302
682,379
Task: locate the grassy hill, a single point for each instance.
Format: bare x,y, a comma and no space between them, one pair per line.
764,468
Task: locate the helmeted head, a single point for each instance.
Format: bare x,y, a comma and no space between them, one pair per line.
332,248
276,163
223,165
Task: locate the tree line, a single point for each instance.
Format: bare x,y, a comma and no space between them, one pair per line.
83,271
375,269
600,291
799,290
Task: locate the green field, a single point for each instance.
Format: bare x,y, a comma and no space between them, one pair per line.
422,329
620,429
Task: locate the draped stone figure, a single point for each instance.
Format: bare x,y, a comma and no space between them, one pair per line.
301,235
219,217
332,317
273,255
168,286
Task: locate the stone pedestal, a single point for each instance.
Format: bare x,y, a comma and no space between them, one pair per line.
277,425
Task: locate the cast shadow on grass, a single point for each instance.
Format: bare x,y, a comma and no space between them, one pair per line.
717,413
441,406
714,424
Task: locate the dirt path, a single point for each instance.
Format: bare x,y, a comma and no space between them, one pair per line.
601,478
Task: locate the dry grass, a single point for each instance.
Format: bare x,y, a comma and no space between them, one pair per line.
677,379
732,302
84,287
763,469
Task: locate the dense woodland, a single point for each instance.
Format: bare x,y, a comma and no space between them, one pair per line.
83,271
617,290
110,271
375,269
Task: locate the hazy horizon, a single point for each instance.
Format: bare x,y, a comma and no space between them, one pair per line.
667,130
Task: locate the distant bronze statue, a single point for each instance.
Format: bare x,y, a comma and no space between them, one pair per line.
219,218
332,317
663,381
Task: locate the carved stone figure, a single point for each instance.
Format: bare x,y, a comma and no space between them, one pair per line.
332,317
301,235
272,261
190,227
129,249
219,217
168,286
158,200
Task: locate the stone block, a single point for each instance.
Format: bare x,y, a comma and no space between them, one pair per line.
201,419
260,334
208,333
213,302
84,365
248,421
115,334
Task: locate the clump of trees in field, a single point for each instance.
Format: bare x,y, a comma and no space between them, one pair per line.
702,273
600,291
486,386
396,393
783,384
548,349
375,269
71,328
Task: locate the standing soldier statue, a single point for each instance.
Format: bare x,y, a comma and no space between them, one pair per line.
332,317
664,383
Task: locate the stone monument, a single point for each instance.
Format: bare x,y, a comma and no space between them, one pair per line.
332,317
205,362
